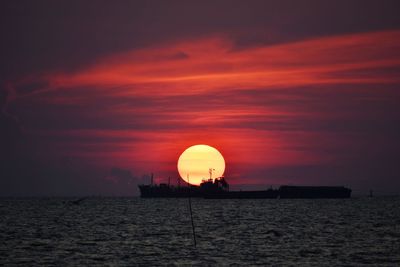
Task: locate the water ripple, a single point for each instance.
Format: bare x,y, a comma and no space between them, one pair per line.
133,231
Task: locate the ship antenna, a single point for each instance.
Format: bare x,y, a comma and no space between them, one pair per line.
210,171
191,214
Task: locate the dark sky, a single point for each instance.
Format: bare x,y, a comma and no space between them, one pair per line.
95,95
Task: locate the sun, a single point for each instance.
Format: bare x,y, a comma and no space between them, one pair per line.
198,162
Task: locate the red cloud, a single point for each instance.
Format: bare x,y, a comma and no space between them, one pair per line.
214,64
261,106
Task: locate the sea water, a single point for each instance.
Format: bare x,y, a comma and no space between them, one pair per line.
142,232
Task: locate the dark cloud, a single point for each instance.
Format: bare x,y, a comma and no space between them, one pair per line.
46,35
29,88
180,55
64,177
120,176
340,108
10,129
123,182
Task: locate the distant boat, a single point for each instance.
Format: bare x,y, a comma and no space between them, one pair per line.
219,189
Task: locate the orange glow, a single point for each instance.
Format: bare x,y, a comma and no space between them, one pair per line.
290,102
214,64
196,163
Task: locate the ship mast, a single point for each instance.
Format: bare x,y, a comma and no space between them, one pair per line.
210,171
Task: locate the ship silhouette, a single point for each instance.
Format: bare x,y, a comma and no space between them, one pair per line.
219,189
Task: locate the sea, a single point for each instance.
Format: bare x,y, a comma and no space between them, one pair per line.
101,231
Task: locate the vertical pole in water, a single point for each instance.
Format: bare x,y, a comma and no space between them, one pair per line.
191,215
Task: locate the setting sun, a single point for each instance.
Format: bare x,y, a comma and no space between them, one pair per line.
198,162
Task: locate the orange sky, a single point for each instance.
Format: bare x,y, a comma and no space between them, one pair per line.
95,97
245,102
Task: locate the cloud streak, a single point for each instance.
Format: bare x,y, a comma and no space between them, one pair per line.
315,102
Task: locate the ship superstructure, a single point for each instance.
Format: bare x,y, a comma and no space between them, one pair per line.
219,189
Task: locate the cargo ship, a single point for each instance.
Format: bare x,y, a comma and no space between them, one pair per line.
219,189
287,191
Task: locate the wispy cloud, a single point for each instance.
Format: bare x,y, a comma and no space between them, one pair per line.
263,106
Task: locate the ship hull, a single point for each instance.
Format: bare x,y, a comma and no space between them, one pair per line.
314,192
147,191
284,192
243,194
